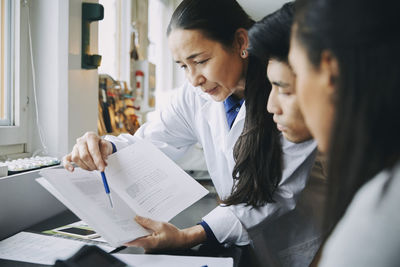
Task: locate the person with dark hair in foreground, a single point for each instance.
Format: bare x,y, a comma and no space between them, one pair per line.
345,55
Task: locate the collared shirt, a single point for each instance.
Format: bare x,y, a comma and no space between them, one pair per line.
232,106
114,147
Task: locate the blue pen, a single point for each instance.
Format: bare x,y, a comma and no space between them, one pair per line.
103,176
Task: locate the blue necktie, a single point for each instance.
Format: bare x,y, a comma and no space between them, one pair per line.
232,106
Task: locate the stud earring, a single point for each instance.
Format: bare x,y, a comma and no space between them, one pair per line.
244,53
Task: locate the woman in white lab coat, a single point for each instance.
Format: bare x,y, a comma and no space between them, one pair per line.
208,39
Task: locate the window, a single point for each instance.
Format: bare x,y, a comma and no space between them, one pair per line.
114,39
13,97
5,65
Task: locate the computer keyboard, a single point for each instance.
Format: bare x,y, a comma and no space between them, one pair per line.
28,164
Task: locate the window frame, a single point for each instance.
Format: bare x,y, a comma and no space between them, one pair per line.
16,133
6,44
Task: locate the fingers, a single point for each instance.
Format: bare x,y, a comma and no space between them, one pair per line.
85,156
77,158
67,163
105,149
93,145
164,235
148,223
146,242
89,153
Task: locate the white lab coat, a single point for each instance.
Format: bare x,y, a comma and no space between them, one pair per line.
193,117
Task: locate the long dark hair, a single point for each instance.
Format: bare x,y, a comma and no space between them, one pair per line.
258,152
363,35
218,20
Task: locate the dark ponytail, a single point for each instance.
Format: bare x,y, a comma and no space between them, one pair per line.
257,152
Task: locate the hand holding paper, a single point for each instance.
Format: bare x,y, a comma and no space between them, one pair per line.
142,181
167,236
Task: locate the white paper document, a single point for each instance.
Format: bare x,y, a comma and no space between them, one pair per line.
146,260
40,249
142,181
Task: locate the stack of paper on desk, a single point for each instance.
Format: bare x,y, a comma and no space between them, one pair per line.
142,181
40,249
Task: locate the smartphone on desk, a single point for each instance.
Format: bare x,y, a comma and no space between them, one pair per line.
77,232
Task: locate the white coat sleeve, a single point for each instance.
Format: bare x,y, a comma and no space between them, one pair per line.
171,131
228,223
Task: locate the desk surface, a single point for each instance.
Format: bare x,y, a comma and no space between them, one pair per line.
243,256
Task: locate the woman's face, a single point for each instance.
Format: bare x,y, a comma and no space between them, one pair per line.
314,91
283,102
218,71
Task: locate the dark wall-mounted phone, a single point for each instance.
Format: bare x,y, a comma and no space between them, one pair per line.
90,12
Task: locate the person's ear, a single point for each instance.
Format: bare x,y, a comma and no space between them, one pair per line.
241,42
329,70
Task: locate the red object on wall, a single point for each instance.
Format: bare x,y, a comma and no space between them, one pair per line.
139,79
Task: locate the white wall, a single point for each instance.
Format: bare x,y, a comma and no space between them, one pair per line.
82,84
258,9
66,94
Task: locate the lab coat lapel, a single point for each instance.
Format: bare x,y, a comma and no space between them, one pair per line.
237,127
233,135
224,138
214,113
